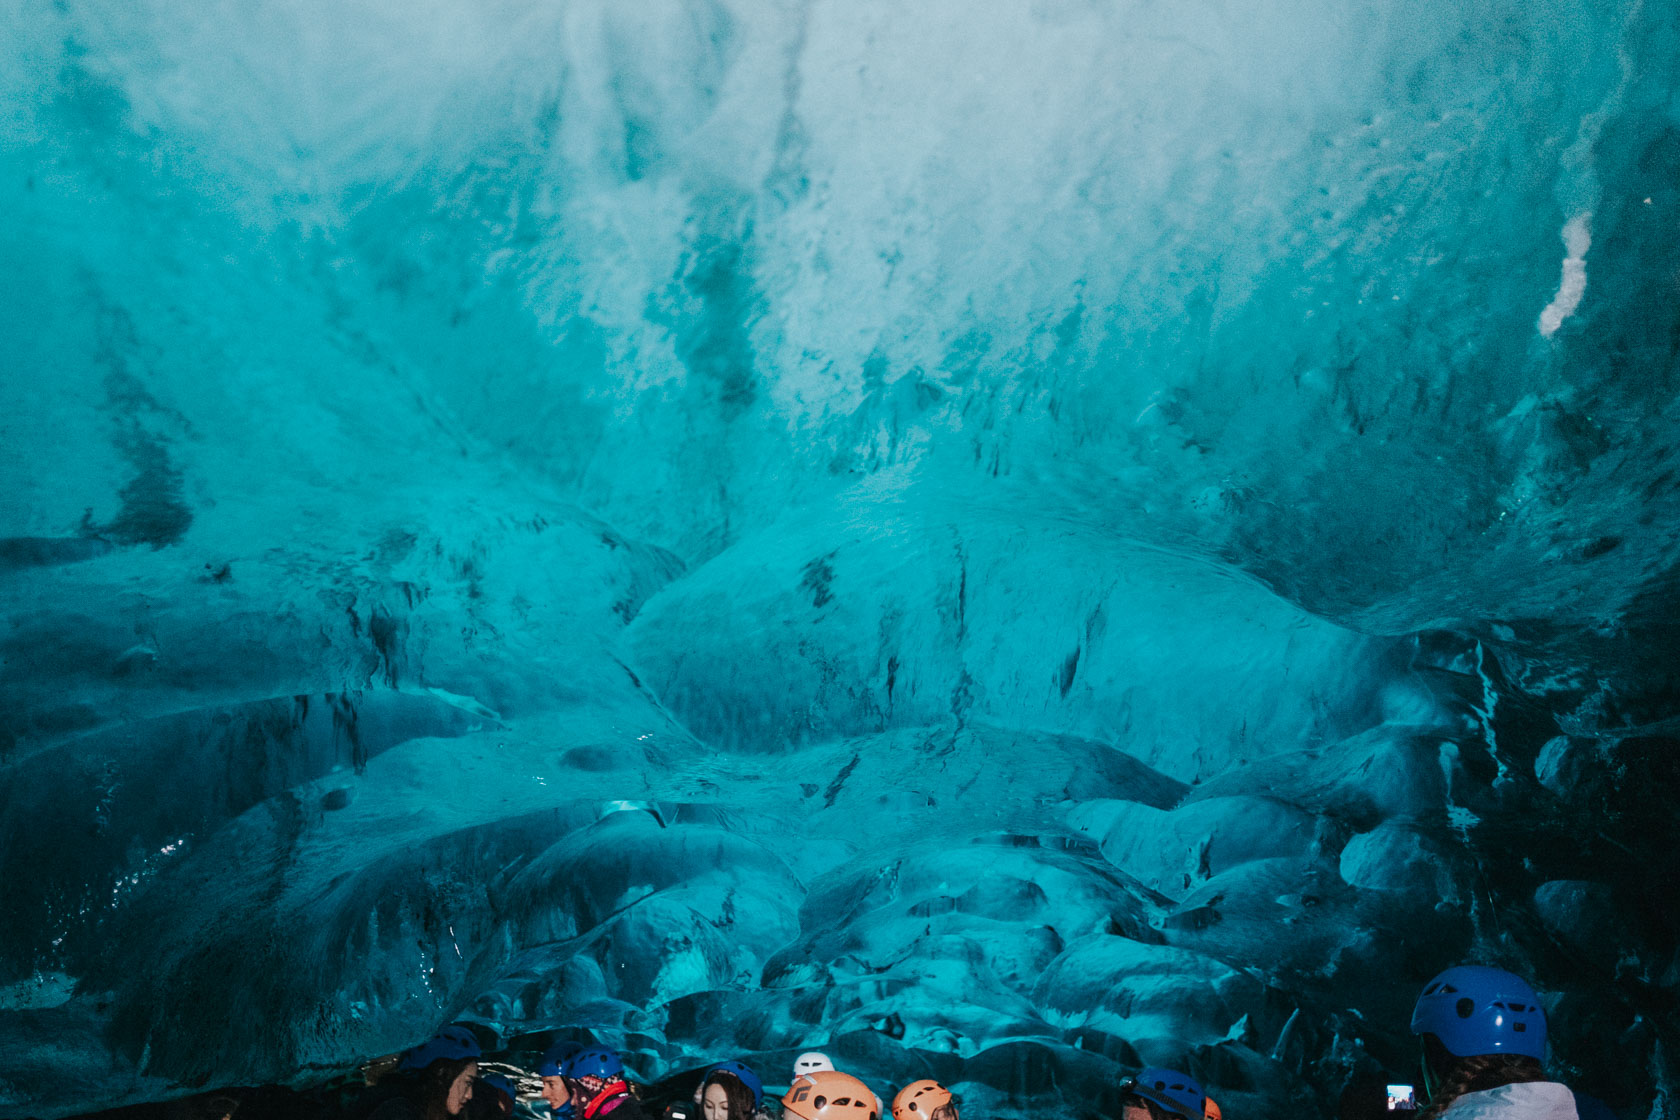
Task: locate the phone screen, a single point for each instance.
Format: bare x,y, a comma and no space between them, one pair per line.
1402,1098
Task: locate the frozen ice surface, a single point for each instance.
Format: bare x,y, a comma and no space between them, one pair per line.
1000,542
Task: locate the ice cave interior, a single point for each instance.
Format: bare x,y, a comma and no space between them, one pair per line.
1004,541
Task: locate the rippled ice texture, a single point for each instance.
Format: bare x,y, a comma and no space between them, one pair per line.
1005,541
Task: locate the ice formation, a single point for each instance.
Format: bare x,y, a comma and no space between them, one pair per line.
996,541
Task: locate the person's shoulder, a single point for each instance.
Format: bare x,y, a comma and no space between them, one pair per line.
395,1108
1521,1100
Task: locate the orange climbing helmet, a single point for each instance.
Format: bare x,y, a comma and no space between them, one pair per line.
830,1095
1212,1112
919,1100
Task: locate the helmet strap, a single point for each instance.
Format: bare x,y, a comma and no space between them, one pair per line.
1431,1082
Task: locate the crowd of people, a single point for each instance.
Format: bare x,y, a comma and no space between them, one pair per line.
1482,1033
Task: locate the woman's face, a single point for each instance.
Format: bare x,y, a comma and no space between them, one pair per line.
1134,1112
554,1092
715,1104
460,1090
947,1111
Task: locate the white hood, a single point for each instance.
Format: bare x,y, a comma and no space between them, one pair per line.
1532,1100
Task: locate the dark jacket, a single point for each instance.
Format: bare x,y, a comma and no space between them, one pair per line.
395,1108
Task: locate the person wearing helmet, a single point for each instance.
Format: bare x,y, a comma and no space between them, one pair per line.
434,1081
596,1086
1156,1094
729,1091
1483,1034
493,1098
553,1085
829,1095
811,1062
1211,1111
925,1100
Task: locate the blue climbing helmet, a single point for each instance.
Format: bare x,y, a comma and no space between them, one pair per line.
501,1085
1178,1093
450,1044
555,1057
742,1073
1474,1009
593,1062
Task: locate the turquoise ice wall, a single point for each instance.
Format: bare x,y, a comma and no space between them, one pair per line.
1007,541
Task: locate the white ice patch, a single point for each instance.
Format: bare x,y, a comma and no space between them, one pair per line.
1461,818
1577,239
465,703
42,990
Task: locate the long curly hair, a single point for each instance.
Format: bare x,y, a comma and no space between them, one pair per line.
1474,1074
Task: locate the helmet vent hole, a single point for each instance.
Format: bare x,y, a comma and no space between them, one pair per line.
1520,1028
819,1102
1466,1007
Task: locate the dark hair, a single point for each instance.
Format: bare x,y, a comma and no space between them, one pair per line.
1137,1100
741,1104
207,1106
1457,1076
429,1089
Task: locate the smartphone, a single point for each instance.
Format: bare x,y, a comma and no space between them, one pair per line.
1402,1098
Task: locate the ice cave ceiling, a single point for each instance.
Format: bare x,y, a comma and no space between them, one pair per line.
1005,540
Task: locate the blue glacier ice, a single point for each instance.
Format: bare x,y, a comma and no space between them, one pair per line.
1004,542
